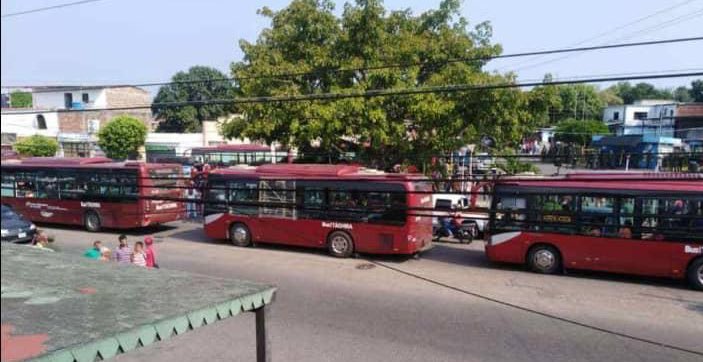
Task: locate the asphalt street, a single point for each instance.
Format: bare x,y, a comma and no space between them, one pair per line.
449,305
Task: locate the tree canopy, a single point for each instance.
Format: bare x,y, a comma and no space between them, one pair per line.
122,137
308,37
579,131
640,91
185,88
19,99
37,146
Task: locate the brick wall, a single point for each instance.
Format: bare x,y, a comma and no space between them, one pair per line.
77,122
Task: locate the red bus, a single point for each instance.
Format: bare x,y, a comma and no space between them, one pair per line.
645,224
93,192
343,208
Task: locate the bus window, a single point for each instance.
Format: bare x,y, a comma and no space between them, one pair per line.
243,196
597,216
47,187
216,197
26,184
511,213
8,184
556,212
277,192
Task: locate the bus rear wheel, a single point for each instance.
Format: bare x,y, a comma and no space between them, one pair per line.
92,221
239,235
340,244
544,259
695,274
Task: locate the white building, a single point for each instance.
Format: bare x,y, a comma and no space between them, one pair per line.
630,118
18,124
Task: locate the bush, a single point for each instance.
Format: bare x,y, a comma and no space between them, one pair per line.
37,146
122,137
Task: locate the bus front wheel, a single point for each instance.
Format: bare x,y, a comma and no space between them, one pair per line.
695,274
544,259
92,221
239,235
340,244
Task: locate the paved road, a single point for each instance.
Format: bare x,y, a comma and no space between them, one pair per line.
354,310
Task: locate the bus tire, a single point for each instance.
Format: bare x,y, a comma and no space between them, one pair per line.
91,221
340,244
239,235
694,274
544,259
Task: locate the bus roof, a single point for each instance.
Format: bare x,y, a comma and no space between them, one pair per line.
87,162
314,171
614,181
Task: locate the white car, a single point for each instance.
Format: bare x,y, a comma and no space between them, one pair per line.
444,203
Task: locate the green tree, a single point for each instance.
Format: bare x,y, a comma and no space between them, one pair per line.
122,137
609,98
187,88
307,36
579,131
696,90
682,94
19,99
37,146
640,91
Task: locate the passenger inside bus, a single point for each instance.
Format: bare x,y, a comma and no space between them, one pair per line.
625,231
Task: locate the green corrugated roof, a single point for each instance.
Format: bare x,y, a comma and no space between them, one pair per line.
90,309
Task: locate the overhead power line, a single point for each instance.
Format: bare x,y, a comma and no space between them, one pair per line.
608,32
37,10
401,65
376,93
662,25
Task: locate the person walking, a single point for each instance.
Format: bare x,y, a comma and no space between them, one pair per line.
150,254
138,256
123,253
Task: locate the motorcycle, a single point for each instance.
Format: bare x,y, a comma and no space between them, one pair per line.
454,228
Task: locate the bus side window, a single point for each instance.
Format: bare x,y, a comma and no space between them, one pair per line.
597,216
8,183
26,184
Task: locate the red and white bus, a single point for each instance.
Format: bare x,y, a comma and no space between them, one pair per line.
343,208
93,192
645,224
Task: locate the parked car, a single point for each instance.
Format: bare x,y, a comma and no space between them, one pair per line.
15,228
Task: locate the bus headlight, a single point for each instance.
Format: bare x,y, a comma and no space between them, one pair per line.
32,227
4,232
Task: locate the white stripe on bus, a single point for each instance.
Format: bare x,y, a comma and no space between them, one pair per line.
503,237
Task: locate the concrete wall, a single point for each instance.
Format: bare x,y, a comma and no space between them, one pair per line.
24,125
55,100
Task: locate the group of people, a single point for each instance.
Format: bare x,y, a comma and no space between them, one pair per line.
142,254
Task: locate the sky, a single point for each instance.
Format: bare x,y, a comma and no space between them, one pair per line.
135,41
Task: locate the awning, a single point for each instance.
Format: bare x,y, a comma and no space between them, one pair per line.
62,307
618,141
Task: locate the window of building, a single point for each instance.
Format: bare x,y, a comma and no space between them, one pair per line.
41,122
86,98
75,149
616,116
640,115
68,100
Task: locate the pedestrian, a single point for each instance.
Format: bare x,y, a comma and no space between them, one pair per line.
95,252
105,254
123,253
138,256
150,254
